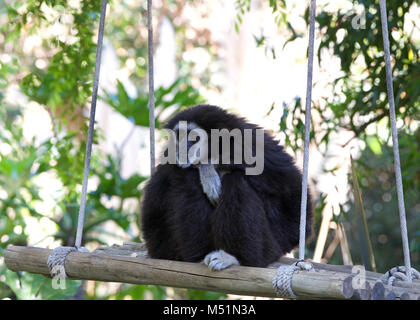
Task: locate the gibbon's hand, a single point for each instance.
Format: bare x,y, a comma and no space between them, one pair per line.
219,260
210,181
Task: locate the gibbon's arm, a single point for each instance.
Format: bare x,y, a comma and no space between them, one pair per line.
190,214
240,226
212,187
154,215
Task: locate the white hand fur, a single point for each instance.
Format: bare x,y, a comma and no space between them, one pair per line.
211,183
219,260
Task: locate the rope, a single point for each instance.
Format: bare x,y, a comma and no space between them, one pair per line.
57,258
399,273
303,205
82,209
397,165
282,282
151,86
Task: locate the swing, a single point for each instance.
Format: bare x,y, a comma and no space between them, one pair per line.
287,278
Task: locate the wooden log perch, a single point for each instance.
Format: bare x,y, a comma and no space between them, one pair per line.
128,264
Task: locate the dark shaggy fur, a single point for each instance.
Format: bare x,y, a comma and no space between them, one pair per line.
256,219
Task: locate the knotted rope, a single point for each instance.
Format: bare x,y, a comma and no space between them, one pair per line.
399,273
57,259
282,282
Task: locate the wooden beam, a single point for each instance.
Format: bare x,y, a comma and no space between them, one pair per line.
130,267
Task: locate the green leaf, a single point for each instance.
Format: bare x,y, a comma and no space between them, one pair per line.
28,286
374,144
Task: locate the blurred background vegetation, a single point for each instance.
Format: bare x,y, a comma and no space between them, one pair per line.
47,54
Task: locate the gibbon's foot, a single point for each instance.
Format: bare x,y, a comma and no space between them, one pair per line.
219,260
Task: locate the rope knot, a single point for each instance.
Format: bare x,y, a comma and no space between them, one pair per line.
57,259
282,282
400,273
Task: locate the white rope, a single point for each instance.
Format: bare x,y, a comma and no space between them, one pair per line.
151,85
303,205
282,282
89,143
57,258
397,164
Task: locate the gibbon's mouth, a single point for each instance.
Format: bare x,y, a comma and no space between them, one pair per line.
189,158
184,166
191,161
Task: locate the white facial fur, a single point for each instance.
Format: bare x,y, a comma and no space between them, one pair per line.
187,161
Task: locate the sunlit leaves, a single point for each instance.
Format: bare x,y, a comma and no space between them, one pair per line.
180,94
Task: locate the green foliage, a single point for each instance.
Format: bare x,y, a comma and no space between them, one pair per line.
28,286
63,87
241,6
68,76
160,293
178,95
358,103
277,7
18,168
128,291
359,96
365,98
204,295
279,13
377,181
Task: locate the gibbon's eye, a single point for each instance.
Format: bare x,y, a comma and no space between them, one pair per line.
192,141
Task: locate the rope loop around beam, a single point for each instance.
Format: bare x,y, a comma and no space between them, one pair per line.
57,260
399,273
282,282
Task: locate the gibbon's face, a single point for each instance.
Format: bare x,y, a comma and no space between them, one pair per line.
190,142
207,134
190,133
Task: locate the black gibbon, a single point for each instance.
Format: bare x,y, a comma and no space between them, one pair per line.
216,213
